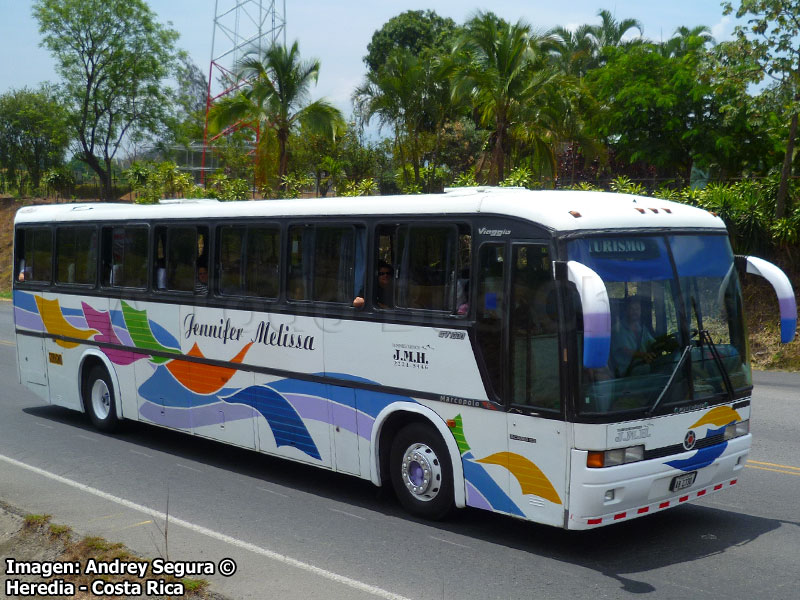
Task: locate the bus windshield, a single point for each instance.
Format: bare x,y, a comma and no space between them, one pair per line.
677,330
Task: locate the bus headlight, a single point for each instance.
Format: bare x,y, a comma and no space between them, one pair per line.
735,430
597,459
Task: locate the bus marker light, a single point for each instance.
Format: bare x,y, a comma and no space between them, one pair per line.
664,505
575,214
718,487
594,460
619,516
451,423
643,510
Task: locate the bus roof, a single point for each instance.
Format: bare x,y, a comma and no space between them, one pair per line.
558,210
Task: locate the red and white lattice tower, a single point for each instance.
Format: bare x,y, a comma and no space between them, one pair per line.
240,27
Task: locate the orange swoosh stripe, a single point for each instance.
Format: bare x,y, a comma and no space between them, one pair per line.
204,379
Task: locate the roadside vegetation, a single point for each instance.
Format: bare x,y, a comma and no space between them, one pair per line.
599,106
38,539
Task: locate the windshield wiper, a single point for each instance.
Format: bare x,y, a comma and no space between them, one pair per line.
686,352
703,333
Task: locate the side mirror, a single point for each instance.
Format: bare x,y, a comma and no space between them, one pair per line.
783,288
596,313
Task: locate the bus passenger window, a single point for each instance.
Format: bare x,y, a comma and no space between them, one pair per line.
36,252
301,246
231,245
262,262
124,257
76,255
333,264
185,253
428,268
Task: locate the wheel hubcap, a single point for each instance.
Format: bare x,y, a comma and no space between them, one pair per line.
421,472
101,399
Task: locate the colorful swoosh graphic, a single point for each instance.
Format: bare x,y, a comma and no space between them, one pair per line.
204,379
139,328
530,477
101,321
483,491
719,416
56,324
287,427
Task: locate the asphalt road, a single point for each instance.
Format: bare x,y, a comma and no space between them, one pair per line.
298,532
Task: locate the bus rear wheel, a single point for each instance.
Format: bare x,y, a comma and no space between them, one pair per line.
98,399
421,473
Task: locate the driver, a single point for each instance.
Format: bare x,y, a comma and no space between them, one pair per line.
631,341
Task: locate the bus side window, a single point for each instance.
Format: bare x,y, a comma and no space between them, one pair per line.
533,329
491,311
35,264
230,247
262,262
123,256
334,257
301,246
76,255
428,268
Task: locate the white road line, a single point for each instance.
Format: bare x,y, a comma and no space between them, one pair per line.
342,512
271,492
141,453
188,468
45,426
433,537
86,437
288,560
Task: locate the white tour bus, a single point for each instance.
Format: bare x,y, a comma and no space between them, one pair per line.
571,358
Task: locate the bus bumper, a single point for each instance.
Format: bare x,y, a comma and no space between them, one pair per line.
600,497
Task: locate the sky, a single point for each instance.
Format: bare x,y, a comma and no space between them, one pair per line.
337,31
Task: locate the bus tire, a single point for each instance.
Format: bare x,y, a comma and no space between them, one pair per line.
421,473
99,401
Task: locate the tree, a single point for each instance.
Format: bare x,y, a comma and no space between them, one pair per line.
276,98
413,31
610,32
401,94
32,132
113,57
502,71
772,36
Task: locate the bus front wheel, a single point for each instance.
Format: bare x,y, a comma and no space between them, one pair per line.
421,473
98,399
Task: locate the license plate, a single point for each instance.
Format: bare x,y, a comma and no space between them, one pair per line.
681,482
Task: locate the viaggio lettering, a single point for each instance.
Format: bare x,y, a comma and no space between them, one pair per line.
283,337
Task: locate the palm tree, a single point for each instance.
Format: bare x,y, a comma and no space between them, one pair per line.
572,51
276,96
685,40
610,32
502,70
397,94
